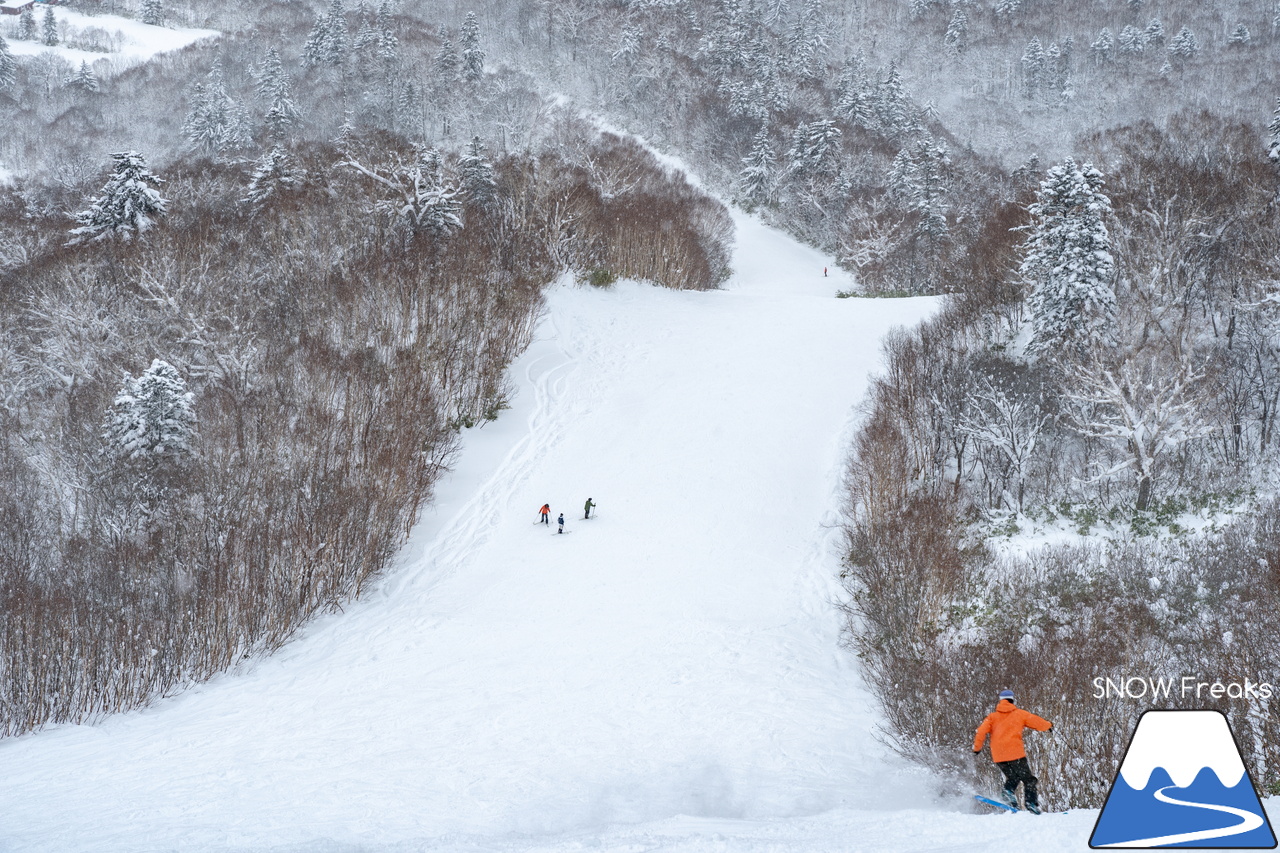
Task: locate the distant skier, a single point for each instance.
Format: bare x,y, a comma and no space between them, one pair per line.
586,509
1005,726
824,272
545,512
561,523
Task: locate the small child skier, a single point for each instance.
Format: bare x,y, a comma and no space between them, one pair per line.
1005,725
586,509
545,512
561,523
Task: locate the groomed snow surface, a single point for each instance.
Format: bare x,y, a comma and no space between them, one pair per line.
665,676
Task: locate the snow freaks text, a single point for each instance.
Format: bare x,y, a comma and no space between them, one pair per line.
1188,687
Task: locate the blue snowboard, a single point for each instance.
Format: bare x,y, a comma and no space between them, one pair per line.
996,803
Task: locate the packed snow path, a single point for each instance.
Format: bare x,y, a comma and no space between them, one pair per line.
664,676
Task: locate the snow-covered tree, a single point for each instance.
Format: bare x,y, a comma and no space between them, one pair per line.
814,150
8,66
918,179
423,199
1130,41
629,42
472,55
1067,259
1148,406
478,185
1102,47
1009,424
153,417
755,180
447,62
153,12
1153,35
274,173
807,42
49,29
366,40
1240,36
216,123
275,89
856,101
1007,9
1184,45
1135,6
956,31
84,79
26,25
327,42
894,115
1273,130
1033,68
128,204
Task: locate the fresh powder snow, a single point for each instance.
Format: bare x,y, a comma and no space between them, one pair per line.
130,41
664,676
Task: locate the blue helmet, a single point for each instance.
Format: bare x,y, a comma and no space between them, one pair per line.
1006,694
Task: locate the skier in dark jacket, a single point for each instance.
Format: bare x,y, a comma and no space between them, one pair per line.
1005,725
561,523
586,508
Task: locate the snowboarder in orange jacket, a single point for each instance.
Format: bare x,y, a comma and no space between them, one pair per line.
1005,726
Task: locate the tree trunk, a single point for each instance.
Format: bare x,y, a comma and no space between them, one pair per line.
1144,492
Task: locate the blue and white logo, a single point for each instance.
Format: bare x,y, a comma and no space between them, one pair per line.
1183,784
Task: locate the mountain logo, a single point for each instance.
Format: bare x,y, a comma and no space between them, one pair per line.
1183,783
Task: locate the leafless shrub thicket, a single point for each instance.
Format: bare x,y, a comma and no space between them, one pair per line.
964,434
333,357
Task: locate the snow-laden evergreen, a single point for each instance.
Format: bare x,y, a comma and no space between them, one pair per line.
26,24
128,205
216,123
153,416
755,181
153,12
49,29
8,66
1273,135
274,173
84,79
478,185
275,89
472,55
1067,259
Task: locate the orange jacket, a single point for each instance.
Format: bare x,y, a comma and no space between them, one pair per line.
546,508
1005,725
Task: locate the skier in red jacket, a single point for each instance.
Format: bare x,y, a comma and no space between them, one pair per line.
1005,725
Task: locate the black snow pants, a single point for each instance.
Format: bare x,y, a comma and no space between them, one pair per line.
1017,771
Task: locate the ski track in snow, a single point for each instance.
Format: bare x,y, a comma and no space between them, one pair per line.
667,678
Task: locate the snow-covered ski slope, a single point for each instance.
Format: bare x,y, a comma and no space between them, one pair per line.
667,676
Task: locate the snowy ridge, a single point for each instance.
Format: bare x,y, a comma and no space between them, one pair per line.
1183,743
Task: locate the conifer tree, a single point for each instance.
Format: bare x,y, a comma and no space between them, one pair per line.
153,417
216,123
1067,260
629,41
1130,41
1153,35
128,204
275,88
1033,68
447,62
1273,129
49,29
472,55
26,25
756,178
856,101
84,79
1007,9
8,66
1184,45
153,12
1102,47
956,31
274,173
478,185
1240,36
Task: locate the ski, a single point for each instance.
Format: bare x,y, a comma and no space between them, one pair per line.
996,803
